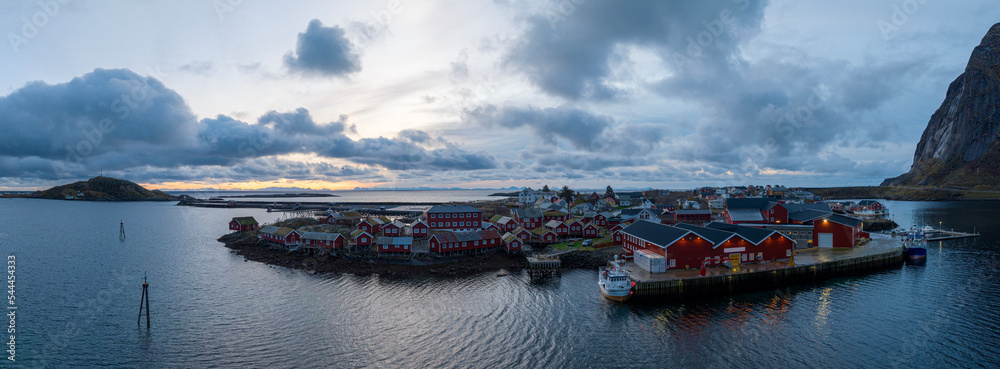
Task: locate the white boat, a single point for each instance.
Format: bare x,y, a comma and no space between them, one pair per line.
614,281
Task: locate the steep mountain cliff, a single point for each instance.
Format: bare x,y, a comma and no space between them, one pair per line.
105,189
961,145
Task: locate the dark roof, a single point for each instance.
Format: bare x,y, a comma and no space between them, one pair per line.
660,234
553,224
749,203
807,215
715,235
752,234
528,213
841,219
453,209
820,206
466,236
693,212
745,215
323,236
867,202
394,241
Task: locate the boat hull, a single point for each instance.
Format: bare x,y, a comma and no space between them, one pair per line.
620,296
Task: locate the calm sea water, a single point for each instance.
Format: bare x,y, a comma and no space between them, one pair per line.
78,290
364,196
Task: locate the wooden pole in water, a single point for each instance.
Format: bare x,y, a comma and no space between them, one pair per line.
144,300
121,229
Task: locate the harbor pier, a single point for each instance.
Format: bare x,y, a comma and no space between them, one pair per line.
806,266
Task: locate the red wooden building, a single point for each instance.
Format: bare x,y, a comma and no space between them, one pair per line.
560,228
591,231
394,245
323,240
544,235
550,215
759,245
242,224
511,243
464,242
836,230
529,218
362,238
393,229
617,237
280,235
523,234
687,246
454,218
507,224
693,216
419,229
372,225
576,227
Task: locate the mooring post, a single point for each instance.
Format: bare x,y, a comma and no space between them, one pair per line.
144,300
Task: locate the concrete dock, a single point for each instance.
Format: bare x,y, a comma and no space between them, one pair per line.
806,266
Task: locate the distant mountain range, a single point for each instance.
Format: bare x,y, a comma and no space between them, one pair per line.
961,145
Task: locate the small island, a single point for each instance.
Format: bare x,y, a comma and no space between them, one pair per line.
104,189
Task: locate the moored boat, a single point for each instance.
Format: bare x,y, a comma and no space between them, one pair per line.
614,281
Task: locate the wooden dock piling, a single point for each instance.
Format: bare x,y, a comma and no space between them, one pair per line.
144,300
544,267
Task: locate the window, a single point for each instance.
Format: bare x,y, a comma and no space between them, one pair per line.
788,253
673,263
384,247
760,256
750,257
461,224
447,215
743,257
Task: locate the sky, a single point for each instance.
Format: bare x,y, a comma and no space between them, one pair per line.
243,94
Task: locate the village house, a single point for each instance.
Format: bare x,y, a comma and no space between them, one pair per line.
464,242
687,246
361,238
575,227
393,229
320,241
454,218
693,216
280,235
545,235
639,214
527,197
419,229
523,234
529,218
835,230
243,224
511,243
560,228
591,231
394,245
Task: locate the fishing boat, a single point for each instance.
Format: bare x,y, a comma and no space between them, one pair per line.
915,244
614,281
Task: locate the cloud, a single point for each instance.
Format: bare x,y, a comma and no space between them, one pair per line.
323,51
118,121
203,67
570,50
582,129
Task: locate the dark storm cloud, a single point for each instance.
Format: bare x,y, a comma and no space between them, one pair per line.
569,50
116,120
325,51
582,129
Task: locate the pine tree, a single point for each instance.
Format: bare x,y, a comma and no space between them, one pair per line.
609,193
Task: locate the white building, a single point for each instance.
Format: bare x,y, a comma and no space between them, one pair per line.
527,196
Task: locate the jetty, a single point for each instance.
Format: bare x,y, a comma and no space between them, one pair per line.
941,235
809,265
544,266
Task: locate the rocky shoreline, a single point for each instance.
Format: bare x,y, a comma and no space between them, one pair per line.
248,245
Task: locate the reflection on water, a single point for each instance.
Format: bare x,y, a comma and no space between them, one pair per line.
245,314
